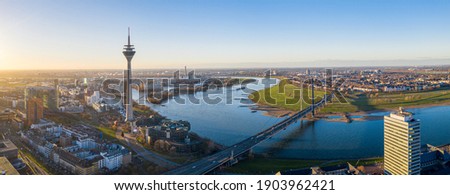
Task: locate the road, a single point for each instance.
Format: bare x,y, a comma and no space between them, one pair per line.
144,153
36,169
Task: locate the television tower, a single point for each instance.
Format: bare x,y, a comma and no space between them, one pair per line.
128,52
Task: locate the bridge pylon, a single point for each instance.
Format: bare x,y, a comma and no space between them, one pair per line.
232,155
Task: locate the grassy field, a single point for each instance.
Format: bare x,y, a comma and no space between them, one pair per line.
108,132
270,166
385,101
285,95
260,165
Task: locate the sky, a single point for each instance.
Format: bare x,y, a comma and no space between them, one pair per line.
90,34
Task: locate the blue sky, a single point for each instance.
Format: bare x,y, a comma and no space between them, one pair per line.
71,34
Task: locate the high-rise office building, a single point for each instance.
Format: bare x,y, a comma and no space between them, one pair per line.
329,78
191,75
401,144
56,83
35,111
176,75
47,94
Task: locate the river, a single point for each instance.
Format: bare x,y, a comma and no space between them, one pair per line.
231,121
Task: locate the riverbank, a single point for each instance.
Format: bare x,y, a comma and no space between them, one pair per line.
260,165
366,115
336,116
362,103
278,99
271,111
198,146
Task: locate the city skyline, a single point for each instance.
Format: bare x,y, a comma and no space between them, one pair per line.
219,34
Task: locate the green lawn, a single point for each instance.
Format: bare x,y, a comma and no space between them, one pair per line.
394,100
270,166
108,132
383,101
260,165
285,95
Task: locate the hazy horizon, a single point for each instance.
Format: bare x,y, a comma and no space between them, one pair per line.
279,65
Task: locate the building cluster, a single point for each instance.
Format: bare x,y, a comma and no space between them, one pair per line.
10,119
187,75
434,158
376,80
379,81
9,164
58,97
96,102
173,132
270,72
48,96
11,101
76,149
69,99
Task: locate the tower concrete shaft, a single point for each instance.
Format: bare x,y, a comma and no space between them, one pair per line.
128,52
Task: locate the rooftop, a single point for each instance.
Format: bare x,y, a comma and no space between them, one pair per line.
6,145
402,112
403,115
6,168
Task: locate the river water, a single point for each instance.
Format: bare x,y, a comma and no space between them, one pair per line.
231,121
